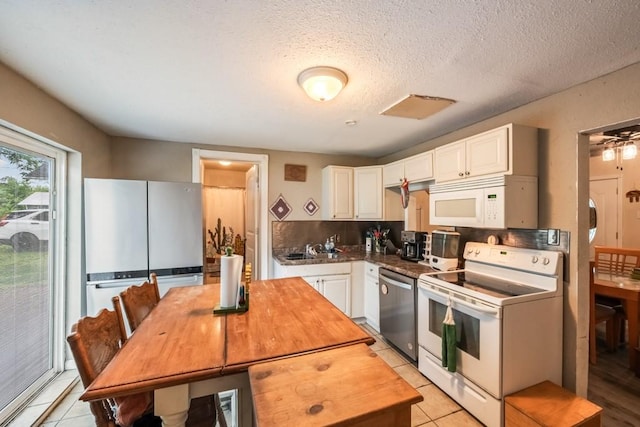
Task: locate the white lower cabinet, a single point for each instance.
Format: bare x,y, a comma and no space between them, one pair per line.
335,288
371,295
332,280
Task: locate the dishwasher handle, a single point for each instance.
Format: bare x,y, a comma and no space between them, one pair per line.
396,283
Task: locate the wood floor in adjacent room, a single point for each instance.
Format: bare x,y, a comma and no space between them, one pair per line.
614,387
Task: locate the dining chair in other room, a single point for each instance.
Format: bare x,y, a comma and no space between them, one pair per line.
93,342
621,262
600,313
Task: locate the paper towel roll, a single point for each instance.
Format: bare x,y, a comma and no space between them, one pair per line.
230,272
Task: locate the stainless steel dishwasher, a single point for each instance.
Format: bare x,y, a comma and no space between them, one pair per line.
398,311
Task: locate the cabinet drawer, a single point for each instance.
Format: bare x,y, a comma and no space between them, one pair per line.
315,269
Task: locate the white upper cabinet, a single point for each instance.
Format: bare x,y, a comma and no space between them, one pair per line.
368,192
419,167
415,168
507,150
352,193
337,192
393,173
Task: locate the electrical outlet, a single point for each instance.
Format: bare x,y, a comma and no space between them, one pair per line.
553,236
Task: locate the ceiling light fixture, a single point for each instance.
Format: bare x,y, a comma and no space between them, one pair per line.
629,151
322,83
224,162
608,154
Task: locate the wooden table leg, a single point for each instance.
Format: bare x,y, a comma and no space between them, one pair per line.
592,328
172,405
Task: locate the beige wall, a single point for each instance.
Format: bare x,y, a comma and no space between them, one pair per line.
630,210
24,105
161,160
564,182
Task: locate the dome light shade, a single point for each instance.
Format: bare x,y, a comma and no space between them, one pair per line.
608,154
629,151
322,83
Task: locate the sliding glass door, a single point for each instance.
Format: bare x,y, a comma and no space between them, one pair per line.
27,260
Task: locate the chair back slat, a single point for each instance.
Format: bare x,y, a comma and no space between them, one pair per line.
620,261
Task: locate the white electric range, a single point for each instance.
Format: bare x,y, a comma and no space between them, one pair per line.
507,305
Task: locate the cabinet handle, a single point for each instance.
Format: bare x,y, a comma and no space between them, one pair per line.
468,173
460,174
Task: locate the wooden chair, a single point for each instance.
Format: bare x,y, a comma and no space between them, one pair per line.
138,301
93,342
600,313
618,261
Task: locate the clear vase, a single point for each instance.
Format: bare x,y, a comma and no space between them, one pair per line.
377,246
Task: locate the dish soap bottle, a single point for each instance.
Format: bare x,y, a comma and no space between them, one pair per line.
328,246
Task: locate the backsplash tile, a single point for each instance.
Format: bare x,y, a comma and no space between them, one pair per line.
296,234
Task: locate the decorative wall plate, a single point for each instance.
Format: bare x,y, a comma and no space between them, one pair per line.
311,207
280,209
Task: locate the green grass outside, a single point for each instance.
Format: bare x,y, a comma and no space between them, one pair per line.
23,268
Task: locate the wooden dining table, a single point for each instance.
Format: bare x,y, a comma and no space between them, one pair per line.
628,290
182,350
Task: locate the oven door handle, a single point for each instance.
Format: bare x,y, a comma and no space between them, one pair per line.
452,297
393,282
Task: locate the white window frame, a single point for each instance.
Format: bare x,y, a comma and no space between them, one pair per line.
57,268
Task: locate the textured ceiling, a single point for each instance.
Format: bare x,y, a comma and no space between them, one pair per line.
224,72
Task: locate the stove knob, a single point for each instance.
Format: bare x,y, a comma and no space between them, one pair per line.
470,251
478,251
534,259
545,261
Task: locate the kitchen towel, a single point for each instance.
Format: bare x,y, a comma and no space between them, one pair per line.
230,274
449,341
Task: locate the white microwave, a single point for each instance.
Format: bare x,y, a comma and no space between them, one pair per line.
507,201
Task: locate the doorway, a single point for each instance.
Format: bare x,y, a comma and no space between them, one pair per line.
254,222
611,383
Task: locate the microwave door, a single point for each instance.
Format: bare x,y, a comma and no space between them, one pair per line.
457,208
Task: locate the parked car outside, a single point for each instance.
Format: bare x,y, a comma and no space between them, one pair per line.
25,230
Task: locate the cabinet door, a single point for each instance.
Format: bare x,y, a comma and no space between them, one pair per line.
419,168
338,192
487,153
450,162
368,192
337,289
393,173
315,282
371,296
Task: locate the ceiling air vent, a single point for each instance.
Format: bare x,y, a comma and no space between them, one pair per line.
417,106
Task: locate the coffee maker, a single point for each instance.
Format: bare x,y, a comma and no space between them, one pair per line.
413,245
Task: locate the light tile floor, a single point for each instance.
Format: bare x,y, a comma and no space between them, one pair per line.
436,410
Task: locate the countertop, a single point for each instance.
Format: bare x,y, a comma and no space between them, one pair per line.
390,262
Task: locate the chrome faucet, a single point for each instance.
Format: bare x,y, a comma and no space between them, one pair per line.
314,248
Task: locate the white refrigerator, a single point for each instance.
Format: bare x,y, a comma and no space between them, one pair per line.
135,228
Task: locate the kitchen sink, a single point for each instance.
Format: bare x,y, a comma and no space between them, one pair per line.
298,255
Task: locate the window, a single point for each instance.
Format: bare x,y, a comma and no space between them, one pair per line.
31,352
